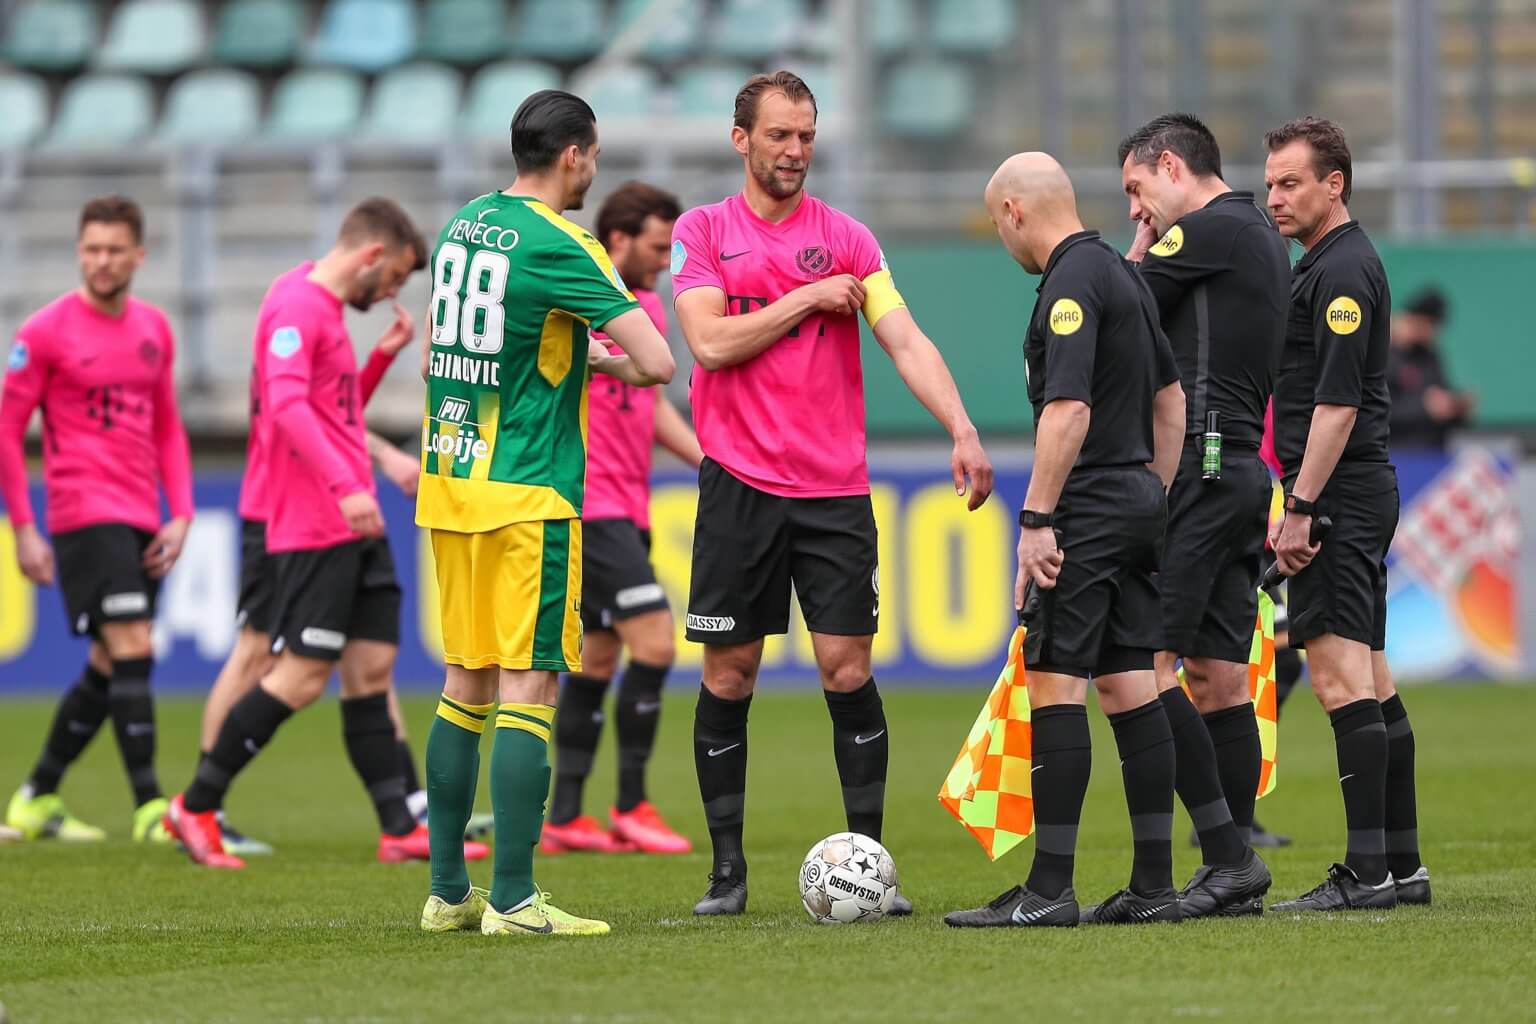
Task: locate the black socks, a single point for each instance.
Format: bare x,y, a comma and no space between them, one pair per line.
247,728
578,724
375,755
80,713
636,714
720,758
1147,768
862,747
1239,761
1198,781
1062,753
1402,820
133,720
1360,735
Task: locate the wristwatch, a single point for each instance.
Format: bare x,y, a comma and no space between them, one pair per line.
1301,506
1031,520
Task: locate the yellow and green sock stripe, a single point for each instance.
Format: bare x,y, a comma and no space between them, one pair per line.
519,785
453,769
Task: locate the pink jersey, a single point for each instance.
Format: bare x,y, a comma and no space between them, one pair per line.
621,431
789,421
316,448
112,435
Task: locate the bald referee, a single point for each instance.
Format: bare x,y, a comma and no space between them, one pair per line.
1331,433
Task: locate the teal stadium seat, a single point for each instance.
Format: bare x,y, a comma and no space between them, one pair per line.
214,105
892,28
678,34
709,90
414,103
365,35
52,35
927,99
259,33
496,92
826,85
560,30
618,93
154,37
102,111
973,26
316,103
23,109
758,29
463,31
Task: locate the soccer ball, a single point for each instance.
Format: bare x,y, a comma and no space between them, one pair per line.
846,878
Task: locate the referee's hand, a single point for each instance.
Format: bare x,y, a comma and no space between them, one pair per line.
1039,560
1293,545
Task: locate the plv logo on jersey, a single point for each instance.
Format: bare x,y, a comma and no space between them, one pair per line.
814,260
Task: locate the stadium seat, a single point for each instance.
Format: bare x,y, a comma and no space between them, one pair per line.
561,30
892,28
926,99
367,35
826,84
709,90
316,104
758,29
23,109
496,92
618,92
259,33
215,105
678,34
102,111
463,31
155,37
418,102
973,26
51,35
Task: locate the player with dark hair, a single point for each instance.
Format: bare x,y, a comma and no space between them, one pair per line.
1332,414
622,605
335,602
768,284
1221,277
516,290
1109,422
99,364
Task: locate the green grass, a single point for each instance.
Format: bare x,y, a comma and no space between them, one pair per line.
321,932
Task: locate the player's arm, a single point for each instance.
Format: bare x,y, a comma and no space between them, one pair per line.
1343,315
26,381
675,435
403,471
923,370
718,340
395,337
647,358
1189,253
174,456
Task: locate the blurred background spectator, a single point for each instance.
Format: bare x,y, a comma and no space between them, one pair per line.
1425,408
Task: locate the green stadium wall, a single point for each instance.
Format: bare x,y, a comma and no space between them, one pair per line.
974,302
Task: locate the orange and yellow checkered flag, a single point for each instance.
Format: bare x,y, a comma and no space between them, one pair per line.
1262,688
988,789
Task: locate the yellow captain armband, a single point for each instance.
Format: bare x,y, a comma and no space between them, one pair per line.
880,297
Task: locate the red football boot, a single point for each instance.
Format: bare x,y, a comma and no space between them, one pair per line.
416,845
582,834
199,834
643,829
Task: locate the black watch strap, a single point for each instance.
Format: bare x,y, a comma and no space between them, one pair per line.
1031,520
1300,506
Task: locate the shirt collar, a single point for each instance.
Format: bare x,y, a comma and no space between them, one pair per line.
1327,241
1232,196
1060,250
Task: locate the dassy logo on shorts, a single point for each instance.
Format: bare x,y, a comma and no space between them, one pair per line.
711,623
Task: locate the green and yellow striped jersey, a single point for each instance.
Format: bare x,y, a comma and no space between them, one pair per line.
515,290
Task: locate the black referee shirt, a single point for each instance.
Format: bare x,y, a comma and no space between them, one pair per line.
1094,338
1336,345
1222,277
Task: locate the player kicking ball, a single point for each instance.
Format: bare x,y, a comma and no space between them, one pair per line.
98,362
515,290
622,605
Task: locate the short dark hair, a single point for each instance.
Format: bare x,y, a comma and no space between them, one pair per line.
1428,302
751,95
114,210
627,207
1182,134
378,219
545,124
1330,150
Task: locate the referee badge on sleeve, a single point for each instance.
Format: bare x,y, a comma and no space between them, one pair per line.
1066,316
1170,243
1343,315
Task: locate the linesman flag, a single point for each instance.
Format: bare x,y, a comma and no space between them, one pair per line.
987,789
1262,689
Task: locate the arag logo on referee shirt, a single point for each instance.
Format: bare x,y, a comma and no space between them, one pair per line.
1066,316
1343,316
1170,243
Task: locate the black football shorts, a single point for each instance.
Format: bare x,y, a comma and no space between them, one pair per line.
329,596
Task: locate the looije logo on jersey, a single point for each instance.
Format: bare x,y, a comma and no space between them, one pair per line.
814,261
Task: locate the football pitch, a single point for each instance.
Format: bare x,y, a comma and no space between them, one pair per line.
322,932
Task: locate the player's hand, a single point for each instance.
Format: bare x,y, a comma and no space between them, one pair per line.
1294,550
1146,238
969,463
363,515
398,334
34,555
842,294
403,471
1039,560
165,548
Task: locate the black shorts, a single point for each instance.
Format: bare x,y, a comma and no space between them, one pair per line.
329,596
258,578
1344,590
1103,615
1212,556
617,581
102,577
750,546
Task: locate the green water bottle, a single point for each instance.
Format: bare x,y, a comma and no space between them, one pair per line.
1210,447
